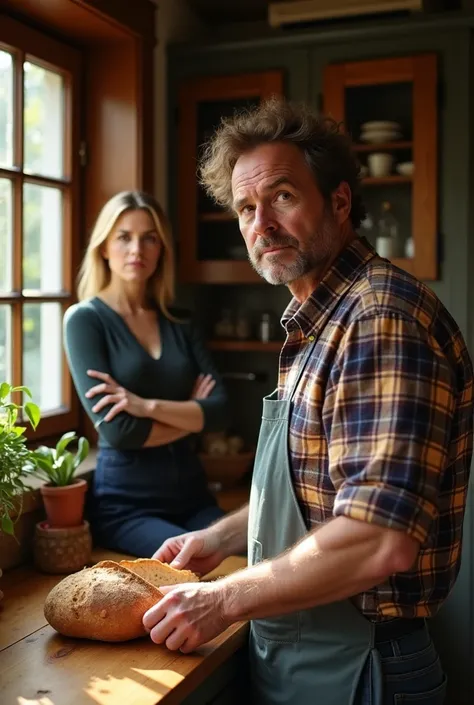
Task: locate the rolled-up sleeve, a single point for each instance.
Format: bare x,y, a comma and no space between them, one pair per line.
388,415
216,407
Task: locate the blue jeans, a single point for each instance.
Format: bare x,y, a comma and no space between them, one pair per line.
405,671
140,534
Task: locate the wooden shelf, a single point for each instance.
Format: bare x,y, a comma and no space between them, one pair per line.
218,216
384,147
246,345
386,180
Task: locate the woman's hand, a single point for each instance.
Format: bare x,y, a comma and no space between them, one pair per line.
119,398
203,386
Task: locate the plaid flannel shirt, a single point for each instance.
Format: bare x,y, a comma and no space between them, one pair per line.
381,425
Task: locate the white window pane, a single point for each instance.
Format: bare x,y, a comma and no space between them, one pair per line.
5,344
6,109
42,238
42,358
6,235
43,121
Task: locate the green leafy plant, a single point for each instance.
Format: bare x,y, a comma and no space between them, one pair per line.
15,457
58,465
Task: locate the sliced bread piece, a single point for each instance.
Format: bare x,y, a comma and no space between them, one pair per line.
158,573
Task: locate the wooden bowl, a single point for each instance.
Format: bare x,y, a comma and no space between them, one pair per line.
227,469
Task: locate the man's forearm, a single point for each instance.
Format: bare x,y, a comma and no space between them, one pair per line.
232,531
339,560
161,435
185,415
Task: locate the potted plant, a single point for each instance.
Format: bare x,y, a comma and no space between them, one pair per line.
15,457
62,543
63,494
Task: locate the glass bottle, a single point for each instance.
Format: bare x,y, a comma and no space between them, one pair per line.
265,328
387,233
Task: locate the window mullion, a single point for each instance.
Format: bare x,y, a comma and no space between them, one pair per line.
17,344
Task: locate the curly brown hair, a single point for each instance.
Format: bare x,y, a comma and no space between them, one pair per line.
327,150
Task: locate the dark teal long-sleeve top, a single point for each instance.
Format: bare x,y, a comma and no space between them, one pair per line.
96,337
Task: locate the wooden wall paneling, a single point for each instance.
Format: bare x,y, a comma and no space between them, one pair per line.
111,124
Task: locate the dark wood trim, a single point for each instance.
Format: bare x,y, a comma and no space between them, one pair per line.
49,52
138,17
246,345
87,21
425,156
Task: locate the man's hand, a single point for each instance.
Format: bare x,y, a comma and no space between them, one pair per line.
188,616
119,398
199,551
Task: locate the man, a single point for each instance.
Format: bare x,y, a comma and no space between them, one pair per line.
360,480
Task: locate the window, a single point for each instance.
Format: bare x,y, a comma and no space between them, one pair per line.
39,81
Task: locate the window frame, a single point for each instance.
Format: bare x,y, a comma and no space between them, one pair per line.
28,44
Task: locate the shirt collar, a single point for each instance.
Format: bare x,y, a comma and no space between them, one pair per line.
311,315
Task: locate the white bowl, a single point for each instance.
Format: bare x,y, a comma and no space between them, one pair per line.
379,136
405,168
380,125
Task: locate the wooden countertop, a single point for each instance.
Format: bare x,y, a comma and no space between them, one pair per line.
40,667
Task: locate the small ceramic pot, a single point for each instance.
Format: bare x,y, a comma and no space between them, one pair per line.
60,551
64,506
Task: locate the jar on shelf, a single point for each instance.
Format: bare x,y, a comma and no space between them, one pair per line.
265,328
387,243
224,327
242,326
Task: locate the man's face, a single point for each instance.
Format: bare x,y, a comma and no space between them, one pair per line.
289,230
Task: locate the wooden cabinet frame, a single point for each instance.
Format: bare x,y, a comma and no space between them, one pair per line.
421,71
191,269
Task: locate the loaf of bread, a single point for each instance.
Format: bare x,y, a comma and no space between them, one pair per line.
107,602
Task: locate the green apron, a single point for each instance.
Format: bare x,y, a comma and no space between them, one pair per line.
314,656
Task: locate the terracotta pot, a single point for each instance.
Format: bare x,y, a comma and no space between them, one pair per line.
64,505
60,551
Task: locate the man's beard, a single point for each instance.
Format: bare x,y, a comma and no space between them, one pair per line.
311,259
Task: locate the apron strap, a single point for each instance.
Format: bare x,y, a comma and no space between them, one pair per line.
310,345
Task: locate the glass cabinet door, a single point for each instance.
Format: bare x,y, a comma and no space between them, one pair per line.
210,246
389,108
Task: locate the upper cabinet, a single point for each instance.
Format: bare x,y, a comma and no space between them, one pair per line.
210,248
389,107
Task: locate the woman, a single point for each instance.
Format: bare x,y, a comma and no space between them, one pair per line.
145,379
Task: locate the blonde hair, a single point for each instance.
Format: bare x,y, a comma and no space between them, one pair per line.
94,274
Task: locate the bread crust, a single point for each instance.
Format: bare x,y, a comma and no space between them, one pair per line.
106,603
158,573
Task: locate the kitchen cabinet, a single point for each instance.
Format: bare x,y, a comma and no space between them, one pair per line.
211,249
397,97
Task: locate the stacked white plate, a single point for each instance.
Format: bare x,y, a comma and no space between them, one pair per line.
379,131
